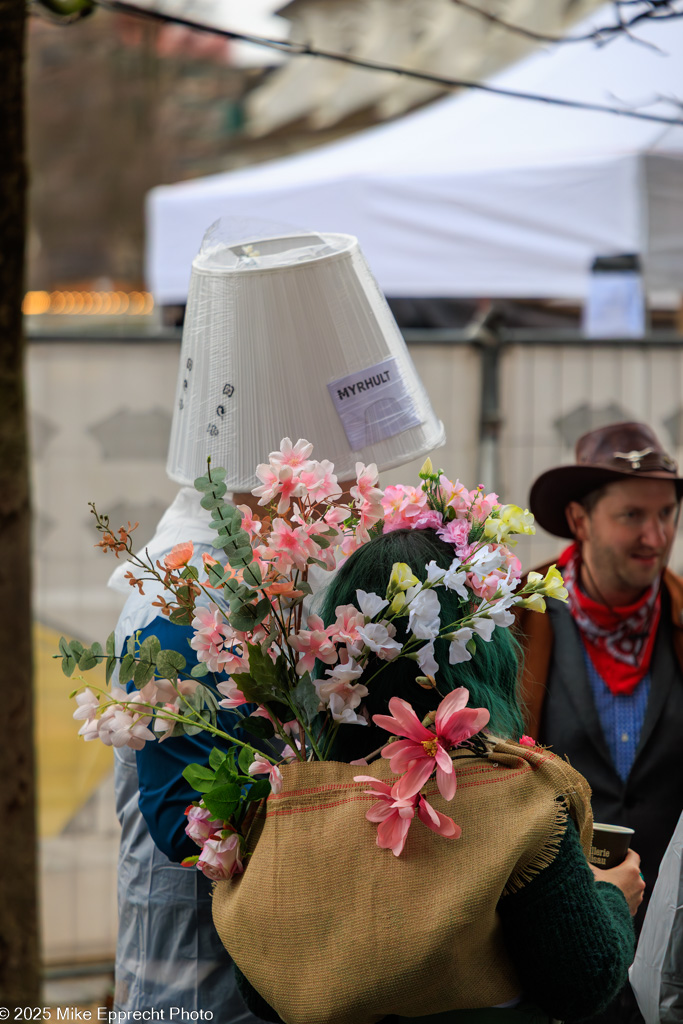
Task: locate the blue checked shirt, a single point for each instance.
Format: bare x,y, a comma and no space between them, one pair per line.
621,717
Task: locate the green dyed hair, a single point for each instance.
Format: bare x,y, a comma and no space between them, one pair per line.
491,675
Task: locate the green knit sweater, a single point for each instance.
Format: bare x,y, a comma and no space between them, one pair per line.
570,939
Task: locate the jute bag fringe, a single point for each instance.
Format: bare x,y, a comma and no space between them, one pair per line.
332,930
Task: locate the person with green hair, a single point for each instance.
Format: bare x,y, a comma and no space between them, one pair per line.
567,936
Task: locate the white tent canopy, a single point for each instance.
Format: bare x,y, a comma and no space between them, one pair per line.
479,195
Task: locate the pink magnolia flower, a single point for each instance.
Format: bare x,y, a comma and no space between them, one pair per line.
393,813
437,821
220,859
260,766
423,751
179,556
201,825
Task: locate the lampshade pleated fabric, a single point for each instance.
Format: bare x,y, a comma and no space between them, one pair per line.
291,337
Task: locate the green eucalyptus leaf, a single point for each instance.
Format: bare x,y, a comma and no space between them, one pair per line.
252,574
216,574
181,617
127,669
88,660
109,646
190,572
202,483
169,664
199,777
109,668
199,670
142,673
218,474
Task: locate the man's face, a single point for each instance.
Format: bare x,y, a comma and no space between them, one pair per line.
626,538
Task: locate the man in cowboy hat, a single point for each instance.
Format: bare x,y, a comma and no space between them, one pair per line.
603,674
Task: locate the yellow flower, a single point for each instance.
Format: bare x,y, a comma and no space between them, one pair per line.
553,584
510,519
401,578
398,603
427,469
535,603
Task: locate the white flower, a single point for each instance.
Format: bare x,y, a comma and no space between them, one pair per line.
485,560
378,638
501,616
423,618
484,628
341,712
370,604
426,659
88,705
435,574
457,652
455,579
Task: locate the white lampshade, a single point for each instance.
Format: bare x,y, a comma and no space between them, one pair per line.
291,337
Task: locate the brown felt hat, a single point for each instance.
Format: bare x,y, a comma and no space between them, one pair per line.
602,456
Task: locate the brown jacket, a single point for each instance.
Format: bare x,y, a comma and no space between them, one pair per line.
534,631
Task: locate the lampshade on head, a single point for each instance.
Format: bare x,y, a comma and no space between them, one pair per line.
291,337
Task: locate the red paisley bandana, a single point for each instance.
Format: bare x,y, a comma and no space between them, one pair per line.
619,640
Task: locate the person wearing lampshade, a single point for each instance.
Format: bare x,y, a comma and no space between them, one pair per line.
284,336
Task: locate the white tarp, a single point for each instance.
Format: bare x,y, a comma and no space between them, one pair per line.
478,195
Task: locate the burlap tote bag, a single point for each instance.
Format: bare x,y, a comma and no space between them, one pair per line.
332,930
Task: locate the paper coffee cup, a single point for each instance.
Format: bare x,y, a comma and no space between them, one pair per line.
610,845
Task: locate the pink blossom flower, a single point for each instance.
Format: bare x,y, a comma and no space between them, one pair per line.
220,859
233,696
345,627
179,556
379,638
119,728
394,814
423,750
88,704
250,522
457,533
457,496
428,519
214,641
201,825
290,547
313,643
294,455
365,488
262,767
320,481
527,741
484,504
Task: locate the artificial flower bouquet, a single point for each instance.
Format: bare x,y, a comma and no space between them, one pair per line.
290,681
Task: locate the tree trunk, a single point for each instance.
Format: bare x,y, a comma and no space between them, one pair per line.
19,966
